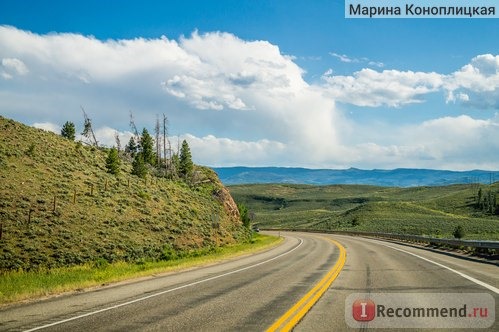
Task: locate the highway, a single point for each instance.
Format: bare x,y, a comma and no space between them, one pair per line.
254,292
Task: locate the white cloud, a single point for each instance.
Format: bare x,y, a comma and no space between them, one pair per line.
477,83
15,65
11,67
217,151
232,78
458,143
243,102
347,59
387,88
106,136
48,127
344,58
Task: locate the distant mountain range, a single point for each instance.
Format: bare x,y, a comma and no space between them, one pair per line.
401,177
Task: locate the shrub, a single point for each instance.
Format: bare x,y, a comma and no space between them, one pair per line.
458,232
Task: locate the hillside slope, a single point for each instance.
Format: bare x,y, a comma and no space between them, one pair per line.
432,211
59,206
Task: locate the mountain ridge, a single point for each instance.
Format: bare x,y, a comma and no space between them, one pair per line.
399,177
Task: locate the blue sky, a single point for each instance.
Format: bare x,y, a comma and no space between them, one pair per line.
285,83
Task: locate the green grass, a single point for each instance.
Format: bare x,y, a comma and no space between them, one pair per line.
97,215
431,211
18,285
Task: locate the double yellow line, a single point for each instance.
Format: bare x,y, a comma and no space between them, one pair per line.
289,320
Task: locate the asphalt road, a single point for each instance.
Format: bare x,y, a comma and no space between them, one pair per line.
374,266
251,293
244,294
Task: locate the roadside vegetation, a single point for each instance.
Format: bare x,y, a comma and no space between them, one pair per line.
22,285
430,211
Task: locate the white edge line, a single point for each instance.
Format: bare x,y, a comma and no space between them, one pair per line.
476,281
164,292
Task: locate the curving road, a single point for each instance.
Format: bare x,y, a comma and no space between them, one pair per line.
375,266
253,292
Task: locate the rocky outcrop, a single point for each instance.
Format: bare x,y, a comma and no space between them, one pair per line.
230,207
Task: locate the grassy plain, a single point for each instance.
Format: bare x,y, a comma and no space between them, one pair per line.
430,211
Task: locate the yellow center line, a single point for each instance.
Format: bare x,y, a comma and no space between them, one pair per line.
289,320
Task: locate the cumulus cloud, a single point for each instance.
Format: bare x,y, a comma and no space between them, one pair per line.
459,143
391,88
231,79
243,102
476,84
218,151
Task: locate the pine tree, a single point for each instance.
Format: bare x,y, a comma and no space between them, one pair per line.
69,131
243,213
147,147
174,165
131,148
186,164
138,166
113,162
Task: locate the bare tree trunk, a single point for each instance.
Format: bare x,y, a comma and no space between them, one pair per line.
88,131
158,142
118,142
134,128
168,156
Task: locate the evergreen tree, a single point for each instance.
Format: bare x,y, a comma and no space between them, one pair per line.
492,200
131,148
113,162
138,166
243,213
147,147
479,199
186,164
69,131
175,165
458,232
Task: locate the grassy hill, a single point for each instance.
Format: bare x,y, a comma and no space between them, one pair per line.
59,206
432,211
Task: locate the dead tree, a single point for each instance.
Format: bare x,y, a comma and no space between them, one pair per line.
158,142
134,128
88,131
167,147
118,141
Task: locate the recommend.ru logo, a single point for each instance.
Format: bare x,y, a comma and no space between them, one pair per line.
420,310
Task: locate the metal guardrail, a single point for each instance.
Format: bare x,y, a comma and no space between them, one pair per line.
404,237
